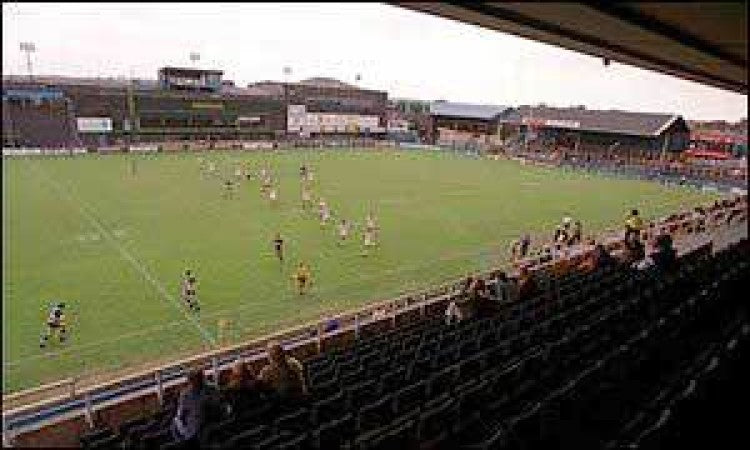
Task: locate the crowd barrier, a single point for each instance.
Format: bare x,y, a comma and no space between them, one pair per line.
43,151
206,146
689,178
59,420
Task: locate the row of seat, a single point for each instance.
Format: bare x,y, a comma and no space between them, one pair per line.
488,383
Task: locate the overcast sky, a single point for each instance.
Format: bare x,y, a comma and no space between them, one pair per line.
405,53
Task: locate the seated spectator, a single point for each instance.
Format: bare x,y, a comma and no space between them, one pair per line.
597,259
545,254
190,416
458,309
527,286
505,289
465,288
284,374
242,390
665,257
481,298
577,235
331,324
562,266
635,251
525,244
379,313
633,225
515,251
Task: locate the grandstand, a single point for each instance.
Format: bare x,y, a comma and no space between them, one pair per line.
37,117
182,105
586,344
657,344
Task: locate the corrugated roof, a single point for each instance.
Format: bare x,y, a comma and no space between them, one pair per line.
325,82
466,110
250,90
80,81
121,83
612,121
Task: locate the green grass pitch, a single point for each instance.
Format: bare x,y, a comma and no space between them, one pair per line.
113,244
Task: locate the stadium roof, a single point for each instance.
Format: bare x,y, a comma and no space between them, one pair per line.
466,110
326,83
121,83
190,70
79,81
703,42
611,121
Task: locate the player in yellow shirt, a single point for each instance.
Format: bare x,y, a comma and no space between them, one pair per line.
303,278
633,226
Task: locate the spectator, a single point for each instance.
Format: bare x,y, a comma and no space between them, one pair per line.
635,251
481,302
452,312
465,289
665,257
599,258
545,254
460,308
527,286
633,225
191,410
577,234
505,289
331,324
242,389
284,374
379,313
525,244
515,251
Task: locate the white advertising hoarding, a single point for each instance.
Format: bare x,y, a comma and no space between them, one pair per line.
94,124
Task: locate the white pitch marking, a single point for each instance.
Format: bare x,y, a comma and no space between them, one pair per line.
127,256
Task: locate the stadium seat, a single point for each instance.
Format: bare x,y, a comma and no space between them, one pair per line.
375,415
300,442
250,437
294,422
95,435
155,439
409,398
400,435
443,381
329,408
334,434
436,422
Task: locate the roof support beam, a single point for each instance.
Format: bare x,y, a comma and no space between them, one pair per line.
624,13
672,68
514,19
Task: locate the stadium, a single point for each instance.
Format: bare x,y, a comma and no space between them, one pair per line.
324,266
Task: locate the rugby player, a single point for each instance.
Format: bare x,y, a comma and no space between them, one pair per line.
55,325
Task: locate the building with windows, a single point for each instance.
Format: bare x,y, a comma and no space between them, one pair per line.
180,105
582,130
466,125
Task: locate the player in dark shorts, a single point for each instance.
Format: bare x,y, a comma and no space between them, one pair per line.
55,325
525,244
303,171
278,247
189,294
228,189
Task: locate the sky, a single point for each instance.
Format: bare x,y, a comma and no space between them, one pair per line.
406,53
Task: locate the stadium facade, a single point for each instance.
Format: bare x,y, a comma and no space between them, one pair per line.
572,129
181,105
184,105
465,124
